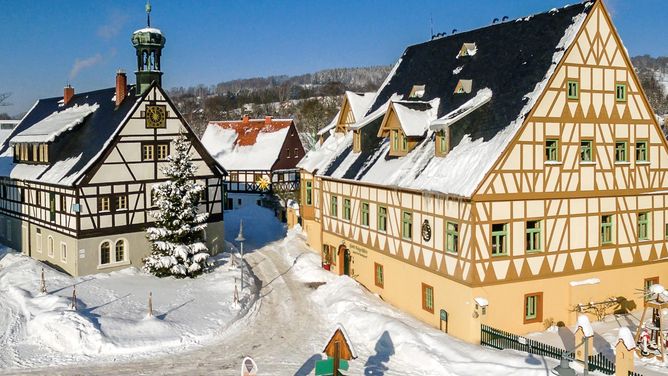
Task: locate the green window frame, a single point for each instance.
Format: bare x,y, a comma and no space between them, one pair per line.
395,140
404,142
334,206
346,209
52,206
552,150
586,151
643,226
407,225
533,307
620,151
620,92
442,146
382,218
452,237
309,193
641,151
499,239
606,229
573,90
379,277
428,298
533,236
365,214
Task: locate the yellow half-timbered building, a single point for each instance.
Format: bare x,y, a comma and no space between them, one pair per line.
503,176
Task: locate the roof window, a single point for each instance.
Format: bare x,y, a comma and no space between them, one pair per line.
468,49
464,86
417,91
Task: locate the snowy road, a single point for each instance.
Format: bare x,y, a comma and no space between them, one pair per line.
267,330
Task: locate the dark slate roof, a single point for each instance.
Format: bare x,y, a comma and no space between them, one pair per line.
511,59
86,139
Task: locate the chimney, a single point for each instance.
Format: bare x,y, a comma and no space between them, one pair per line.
267,120
121,87
245,119
68,93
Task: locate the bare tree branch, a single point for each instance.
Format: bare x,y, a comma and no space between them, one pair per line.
3,99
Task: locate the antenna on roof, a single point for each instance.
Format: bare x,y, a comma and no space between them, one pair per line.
495,20
431,26
148,13
504,19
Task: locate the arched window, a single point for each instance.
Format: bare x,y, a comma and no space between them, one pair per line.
50,246
120,250
105,253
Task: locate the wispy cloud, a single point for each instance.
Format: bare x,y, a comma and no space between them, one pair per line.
113,26
81,64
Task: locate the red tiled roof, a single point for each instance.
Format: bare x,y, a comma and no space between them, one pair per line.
248,129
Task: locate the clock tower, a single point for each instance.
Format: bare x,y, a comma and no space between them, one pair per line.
148,42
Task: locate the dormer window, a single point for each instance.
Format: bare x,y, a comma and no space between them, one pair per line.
31,153
468,49
442,143
417,91
464,86
398,142
357,141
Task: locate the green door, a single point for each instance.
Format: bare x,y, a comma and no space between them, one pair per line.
346,262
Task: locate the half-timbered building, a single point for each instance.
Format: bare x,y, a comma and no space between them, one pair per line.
353,108
504,175
261,156
76,174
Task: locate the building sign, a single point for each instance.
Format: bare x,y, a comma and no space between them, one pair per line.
358,250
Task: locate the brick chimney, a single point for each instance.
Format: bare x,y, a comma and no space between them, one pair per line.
245,119
267,120
121,87
68,93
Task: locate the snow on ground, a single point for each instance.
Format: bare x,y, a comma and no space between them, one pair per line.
110,322
606,335
391,342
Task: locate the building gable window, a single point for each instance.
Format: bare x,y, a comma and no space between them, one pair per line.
641,151
417,91
148,152
287,152
296,152
395,140
441,143
407,225
382,219
379,279
163,151
464,87
533,307
121,202
33,153
643,226
365,214
552,150
357,141
606,229
105,253
334,206
586,151
346,209
620,92
103,203
533,236
452,237
428,298
499,239
620,151
573,90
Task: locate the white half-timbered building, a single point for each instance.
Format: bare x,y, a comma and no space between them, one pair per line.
76,173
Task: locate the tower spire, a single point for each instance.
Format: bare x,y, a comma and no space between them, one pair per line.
148,13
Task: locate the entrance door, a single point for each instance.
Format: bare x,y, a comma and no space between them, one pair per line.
344,260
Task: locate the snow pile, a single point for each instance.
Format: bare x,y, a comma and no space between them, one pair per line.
47,129
590,281
585,324
627,338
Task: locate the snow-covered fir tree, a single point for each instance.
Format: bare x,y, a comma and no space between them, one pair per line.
178,236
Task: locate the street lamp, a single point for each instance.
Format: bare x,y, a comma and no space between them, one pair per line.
240,238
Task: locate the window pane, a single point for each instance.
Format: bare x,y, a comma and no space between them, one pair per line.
105,253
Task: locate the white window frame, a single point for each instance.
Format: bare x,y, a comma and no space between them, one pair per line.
38,242
63,251
50,245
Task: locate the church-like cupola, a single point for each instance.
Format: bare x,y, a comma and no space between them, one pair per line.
148,42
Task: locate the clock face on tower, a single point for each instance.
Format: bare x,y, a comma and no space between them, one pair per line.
156,116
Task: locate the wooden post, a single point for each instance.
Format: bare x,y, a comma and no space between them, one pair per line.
150,304
236,292
42,288
337,356
623,359
585,350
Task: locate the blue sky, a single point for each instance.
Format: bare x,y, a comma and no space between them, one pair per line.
46,44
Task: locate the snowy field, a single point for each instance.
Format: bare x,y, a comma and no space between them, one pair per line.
284,329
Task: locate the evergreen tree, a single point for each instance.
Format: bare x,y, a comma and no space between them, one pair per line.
177,238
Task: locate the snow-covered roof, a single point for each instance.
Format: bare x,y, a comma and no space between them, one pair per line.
251,144
346,337
585,324
626,337
331,125
47,129
415,119
482,123
359,104
148,30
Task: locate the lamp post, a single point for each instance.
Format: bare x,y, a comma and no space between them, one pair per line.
240,238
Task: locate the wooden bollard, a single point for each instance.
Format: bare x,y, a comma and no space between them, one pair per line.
150,304
42,287
74,298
